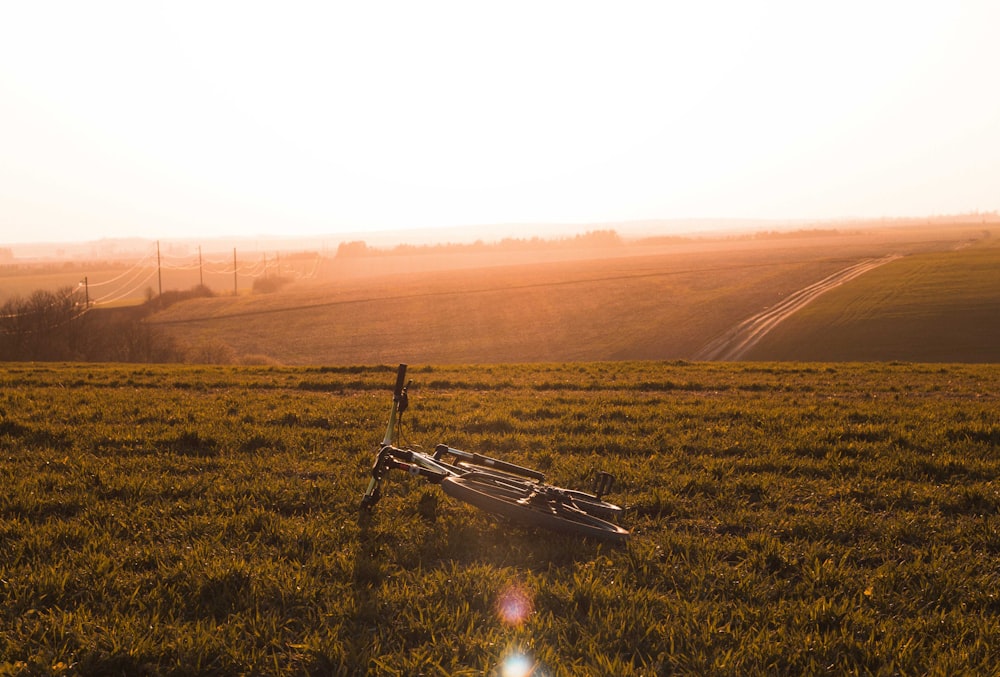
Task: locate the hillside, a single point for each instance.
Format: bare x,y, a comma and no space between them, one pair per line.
933,307
637,302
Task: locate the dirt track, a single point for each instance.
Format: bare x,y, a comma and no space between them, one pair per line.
736,342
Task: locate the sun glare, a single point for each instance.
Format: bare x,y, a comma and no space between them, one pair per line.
517,665
514,605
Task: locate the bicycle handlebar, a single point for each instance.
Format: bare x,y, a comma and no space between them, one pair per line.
400,380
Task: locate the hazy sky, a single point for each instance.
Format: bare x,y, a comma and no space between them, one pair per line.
167,119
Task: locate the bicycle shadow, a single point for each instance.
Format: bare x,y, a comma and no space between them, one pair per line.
494,541
443,532
366,577
441,540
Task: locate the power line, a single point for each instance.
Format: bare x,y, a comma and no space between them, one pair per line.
104,300
141,263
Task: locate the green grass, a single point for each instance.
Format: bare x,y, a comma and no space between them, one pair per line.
787,519
934,307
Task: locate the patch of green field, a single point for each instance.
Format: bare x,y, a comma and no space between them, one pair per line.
787,519
932,307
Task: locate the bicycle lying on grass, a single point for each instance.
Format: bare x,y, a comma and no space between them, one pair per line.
514,492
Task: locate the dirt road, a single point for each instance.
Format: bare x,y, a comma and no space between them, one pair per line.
736,342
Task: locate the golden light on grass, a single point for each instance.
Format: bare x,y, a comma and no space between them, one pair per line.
222,502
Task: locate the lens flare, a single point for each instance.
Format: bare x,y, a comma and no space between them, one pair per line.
514,605
517,665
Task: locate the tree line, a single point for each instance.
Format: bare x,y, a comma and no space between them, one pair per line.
49,326
593,238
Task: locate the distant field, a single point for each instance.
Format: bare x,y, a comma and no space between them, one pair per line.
116,284
932,307
787,519
672,299
641,303
132,283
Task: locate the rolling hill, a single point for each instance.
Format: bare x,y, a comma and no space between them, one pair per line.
933,307
636,302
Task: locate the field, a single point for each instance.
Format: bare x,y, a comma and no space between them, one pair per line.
656,299
630,303
792,518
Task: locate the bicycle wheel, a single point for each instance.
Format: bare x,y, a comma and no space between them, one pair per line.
531,505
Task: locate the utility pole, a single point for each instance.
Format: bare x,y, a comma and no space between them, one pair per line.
86,293
234,272
201,275
159,274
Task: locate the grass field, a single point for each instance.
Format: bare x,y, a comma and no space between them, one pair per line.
787,519
940,306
